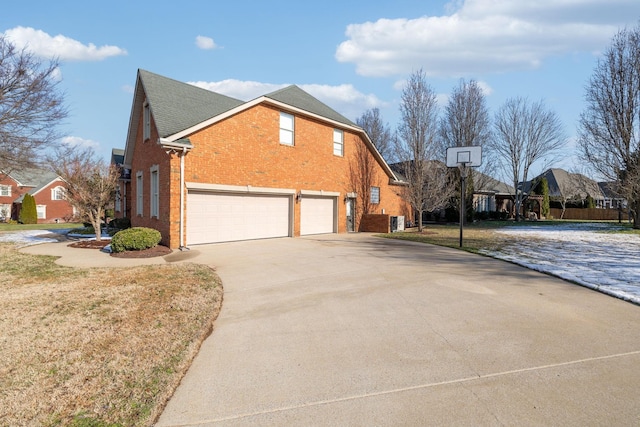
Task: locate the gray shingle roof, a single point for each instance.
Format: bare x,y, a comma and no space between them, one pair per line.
296,97
177,106
35,178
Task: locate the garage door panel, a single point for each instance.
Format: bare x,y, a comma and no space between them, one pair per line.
215,217
317,215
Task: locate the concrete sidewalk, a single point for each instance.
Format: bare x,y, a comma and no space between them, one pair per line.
356,330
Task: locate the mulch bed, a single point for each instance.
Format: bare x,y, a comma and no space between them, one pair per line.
146,253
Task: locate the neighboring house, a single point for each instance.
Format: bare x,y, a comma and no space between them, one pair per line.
46,187
208,168
565,186
491,195
612,199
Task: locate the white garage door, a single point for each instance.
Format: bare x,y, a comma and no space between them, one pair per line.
317,215
222,217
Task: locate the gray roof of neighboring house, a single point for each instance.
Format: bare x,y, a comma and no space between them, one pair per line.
177,106
573,184
35,178
485,184
296,97
117,156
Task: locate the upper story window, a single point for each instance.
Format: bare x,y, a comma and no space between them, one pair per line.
338,142
375,195
286,129
5,190
146,132
57,193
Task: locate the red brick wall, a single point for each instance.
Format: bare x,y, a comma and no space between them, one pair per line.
245,150
147,154
56,209
376,223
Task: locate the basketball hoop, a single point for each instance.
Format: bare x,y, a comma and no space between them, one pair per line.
463,157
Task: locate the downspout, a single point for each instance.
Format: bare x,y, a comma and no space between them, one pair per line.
182,245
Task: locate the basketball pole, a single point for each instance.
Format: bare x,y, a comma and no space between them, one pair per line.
463,193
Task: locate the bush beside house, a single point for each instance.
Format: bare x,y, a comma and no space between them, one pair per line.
135,239
28,212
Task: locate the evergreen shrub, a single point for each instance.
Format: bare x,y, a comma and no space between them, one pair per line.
135,239
28,212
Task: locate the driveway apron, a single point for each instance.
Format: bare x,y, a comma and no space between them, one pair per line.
357,330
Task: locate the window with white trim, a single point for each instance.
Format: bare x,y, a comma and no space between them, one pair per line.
286,129
139,210
146,131
375,195
155,192
118,206
41,210
5,211
5,190
338,142
57,193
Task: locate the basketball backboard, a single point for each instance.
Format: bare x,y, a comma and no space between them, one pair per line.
468,156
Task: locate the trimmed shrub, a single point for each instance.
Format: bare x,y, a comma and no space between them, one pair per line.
28,213
135,239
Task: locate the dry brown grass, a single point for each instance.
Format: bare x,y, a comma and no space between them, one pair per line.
475,238
97,346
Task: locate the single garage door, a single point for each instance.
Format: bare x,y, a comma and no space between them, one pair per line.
225,217
317,215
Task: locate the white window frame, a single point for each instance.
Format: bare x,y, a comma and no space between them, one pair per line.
146,124
41,211
5,210
57,193
118,204
338,143
375,195
5,190
287,127
154,191
139,193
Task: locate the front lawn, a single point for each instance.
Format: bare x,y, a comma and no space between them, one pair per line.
22,227
97,347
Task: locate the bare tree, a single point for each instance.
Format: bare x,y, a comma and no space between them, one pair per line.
90,184
378,132
525,133
418,148
30,107
466,122
609,127
362,176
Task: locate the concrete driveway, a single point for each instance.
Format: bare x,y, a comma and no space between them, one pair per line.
356,330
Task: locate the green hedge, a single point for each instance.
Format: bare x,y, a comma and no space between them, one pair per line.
135,239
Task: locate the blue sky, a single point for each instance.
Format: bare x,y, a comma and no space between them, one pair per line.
352,55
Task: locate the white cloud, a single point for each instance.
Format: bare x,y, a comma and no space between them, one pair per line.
345,98
205,43
480,36
76,141
62,47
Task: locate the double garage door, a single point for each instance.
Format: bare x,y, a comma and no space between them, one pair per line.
225,217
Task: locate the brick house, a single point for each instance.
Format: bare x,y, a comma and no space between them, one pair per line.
46,187
208,168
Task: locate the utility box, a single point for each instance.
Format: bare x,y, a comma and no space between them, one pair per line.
397,223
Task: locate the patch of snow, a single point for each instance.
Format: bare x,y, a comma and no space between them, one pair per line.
583,253
29,237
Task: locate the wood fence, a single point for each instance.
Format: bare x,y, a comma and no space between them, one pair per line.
590,214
